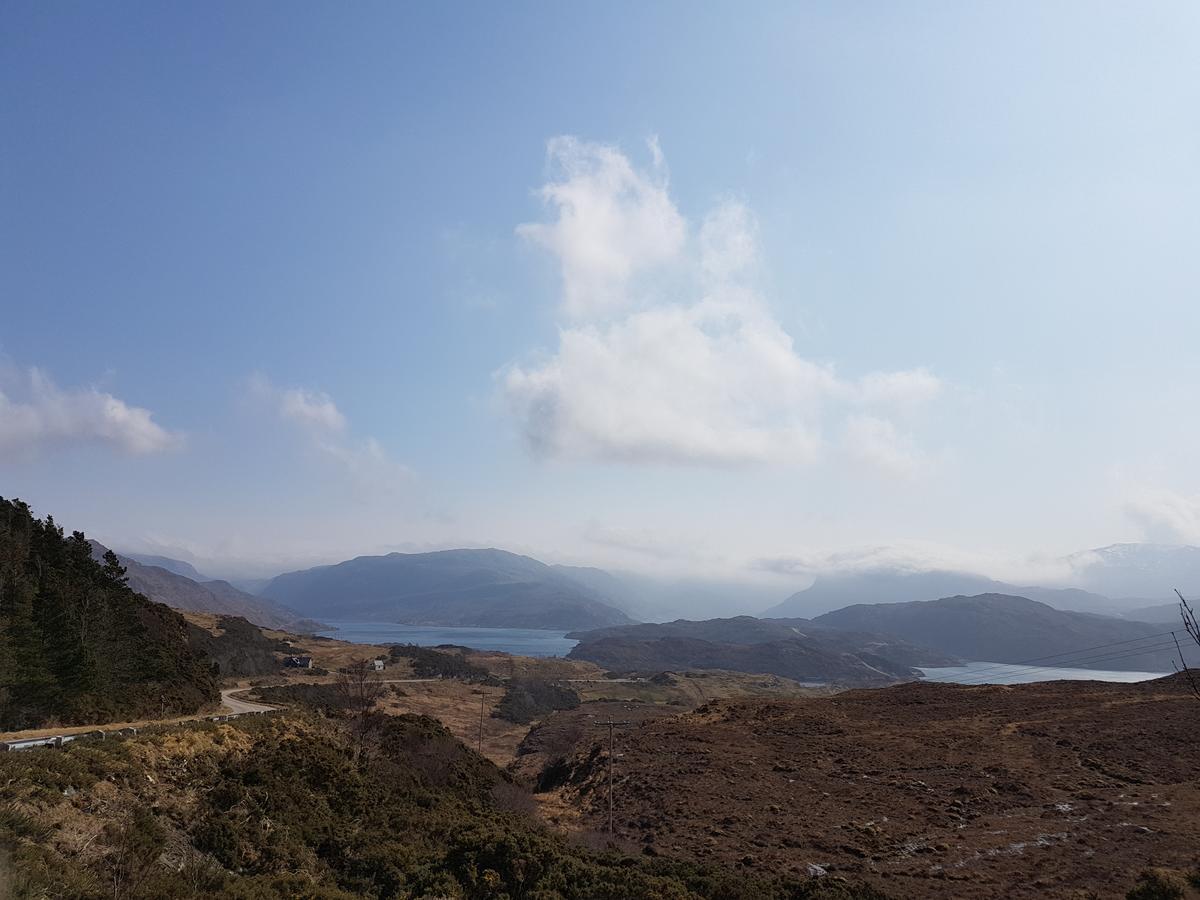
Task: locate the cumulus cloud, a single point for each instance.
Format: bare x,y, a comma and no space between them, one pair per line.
669,354
613,223
36,413
312,410
1166,517
365,460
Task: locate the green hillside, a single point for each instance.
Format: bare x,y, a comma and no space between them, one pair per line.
77,645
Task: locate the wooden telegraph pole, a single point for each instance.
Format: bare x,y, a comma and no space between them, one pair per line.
482,698
610,725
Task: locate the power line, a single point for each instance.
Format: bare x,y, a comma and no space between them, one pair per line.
1066,656
1070,662
980,676
1012,669
1036,659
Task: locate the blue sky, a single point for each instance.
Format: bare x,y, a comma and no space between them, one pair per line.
677,287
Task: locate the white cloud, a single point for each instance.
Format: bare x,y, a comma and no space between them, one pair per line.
902,390
368,464
728,242
879,443
677,384
1166,517
365,460
709,377
613,222
46,415
312,410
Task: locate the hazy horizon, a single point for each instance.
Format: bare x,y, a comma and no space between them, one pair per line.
745,295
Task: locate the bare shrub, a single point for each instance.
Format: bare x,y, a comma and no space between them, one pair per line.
513,798
1158,884
360,688
136,843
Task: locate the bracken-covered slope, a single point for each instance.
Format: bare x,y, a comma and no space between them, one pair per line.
77,644
929,791
449,587
277,808
1001,628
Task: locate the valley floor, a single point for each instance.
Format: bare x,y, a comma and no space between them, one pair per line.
1060,790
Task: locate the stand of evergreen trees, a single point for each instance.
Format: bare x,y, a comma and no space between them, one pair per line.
77,645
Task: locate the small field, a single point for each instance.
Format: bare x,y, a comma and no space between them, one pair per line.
457,706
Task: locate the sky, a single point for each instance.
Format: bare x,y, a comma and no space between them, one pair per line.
690,289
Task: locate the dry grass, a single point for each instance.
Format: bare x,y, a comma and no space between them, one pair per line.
207,621
185,744
688,690
550,667
456,705
327,653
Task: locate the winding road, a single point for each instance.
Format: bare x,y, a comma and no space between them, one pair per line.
230,707
238,707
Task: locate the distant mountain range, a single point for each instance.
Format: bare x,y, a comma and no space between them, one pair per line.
178,566
888,586
167,585
1148,571
1166,614
1006,629
791,648
489,588
1130,580
875,643
494,587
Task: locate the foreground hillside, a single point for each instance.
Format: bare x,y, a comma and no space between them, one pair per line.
77,645
489,588
285,807
1064,789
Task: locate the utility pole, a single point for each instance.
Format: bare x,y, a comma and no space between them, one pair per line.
610,725
479,747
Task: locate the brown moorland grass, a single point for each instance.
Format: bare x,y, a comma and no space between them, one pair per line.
1062,789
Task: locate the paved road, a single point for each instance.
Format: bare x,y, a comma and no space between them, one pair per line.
232,707
238,707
